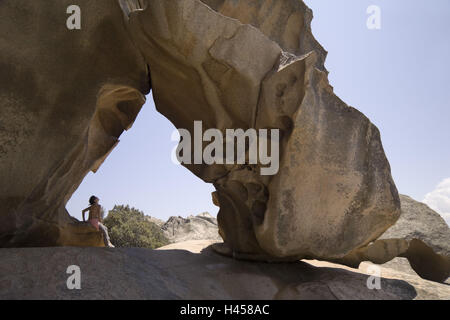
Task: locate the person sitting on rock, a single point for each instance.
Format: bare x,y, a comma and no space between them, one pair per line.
95,219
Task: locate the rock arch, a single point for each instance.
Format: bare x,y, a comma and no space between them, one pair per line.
66,96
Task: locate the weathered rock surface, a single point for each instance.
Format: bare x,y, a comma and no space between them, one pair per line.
66,97
200,227
231,74
421,235
179,271
417,222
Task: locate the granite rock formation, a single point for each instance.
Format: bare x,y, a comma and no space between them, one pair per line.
200,227
65,98
420,235
209,63
67,95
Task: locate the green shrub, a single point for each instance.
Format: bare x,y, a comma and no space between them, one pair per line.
128,227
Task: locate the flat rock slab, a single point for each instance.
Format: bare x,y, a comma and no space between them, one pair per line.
191,270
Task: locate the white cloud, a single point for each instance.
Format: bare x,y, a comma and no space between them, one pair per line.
439,199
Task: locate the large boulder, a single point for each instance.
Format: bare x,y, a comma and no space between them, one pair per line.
67,95
419,221
420,235
200,227
333,191
65,98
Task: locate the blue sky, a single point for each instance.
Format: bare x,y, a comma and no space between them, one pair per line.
398,76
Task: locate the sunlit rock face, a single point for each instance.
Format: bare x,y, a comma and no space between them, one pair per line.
67,95
255,64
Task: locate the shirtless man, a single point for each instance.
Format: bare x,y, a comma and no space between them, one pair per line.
95,219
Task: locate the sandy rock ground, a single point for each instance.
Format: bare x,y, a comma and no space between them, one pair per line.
191,270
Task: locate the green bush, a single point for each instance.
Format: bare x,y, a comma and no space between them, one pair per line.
128,227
